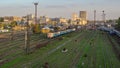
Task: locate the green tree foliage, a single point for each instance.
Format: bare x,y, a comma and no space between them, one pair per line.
31,25
69,21
36,28
57,29
118,22
2,25
13,24
109,21
1,19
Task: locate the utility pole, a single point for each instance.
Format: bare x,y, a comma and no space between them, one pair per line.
11,34
27,39
94,17
36,3
103,16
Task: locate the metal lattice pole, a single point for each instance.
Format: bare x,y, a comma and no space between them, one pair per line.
27,40
11,35
94,17
103,16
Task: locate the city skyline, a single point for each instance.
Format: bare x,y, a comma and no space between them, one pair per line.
62,8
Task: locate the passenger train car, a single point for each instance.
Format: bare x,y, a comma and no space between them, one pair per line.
56,34
111,31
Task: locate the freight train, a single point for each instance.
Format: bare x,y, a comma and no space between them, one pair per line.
59,33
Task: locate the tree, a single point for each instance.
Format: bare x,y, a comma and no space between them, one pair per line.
13,24
2,25
109,21
36,28
118,22
1,19
57,29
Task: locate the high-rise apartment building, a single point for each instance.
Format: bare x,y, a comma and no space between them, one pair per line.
74,16
83,15
44,19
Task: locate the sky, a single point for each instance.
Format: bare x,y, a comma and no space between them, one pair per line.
61,8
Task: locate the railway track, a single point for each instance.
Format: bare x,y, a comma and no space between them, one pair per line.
79,54
48,53
9,49
115,46
12,54
99,54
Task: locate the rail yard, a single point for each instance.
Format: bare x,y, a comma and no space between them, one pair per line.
84,49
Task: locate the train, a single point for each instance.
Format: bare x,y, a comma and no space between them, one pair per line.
59,33
111,31
117,33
